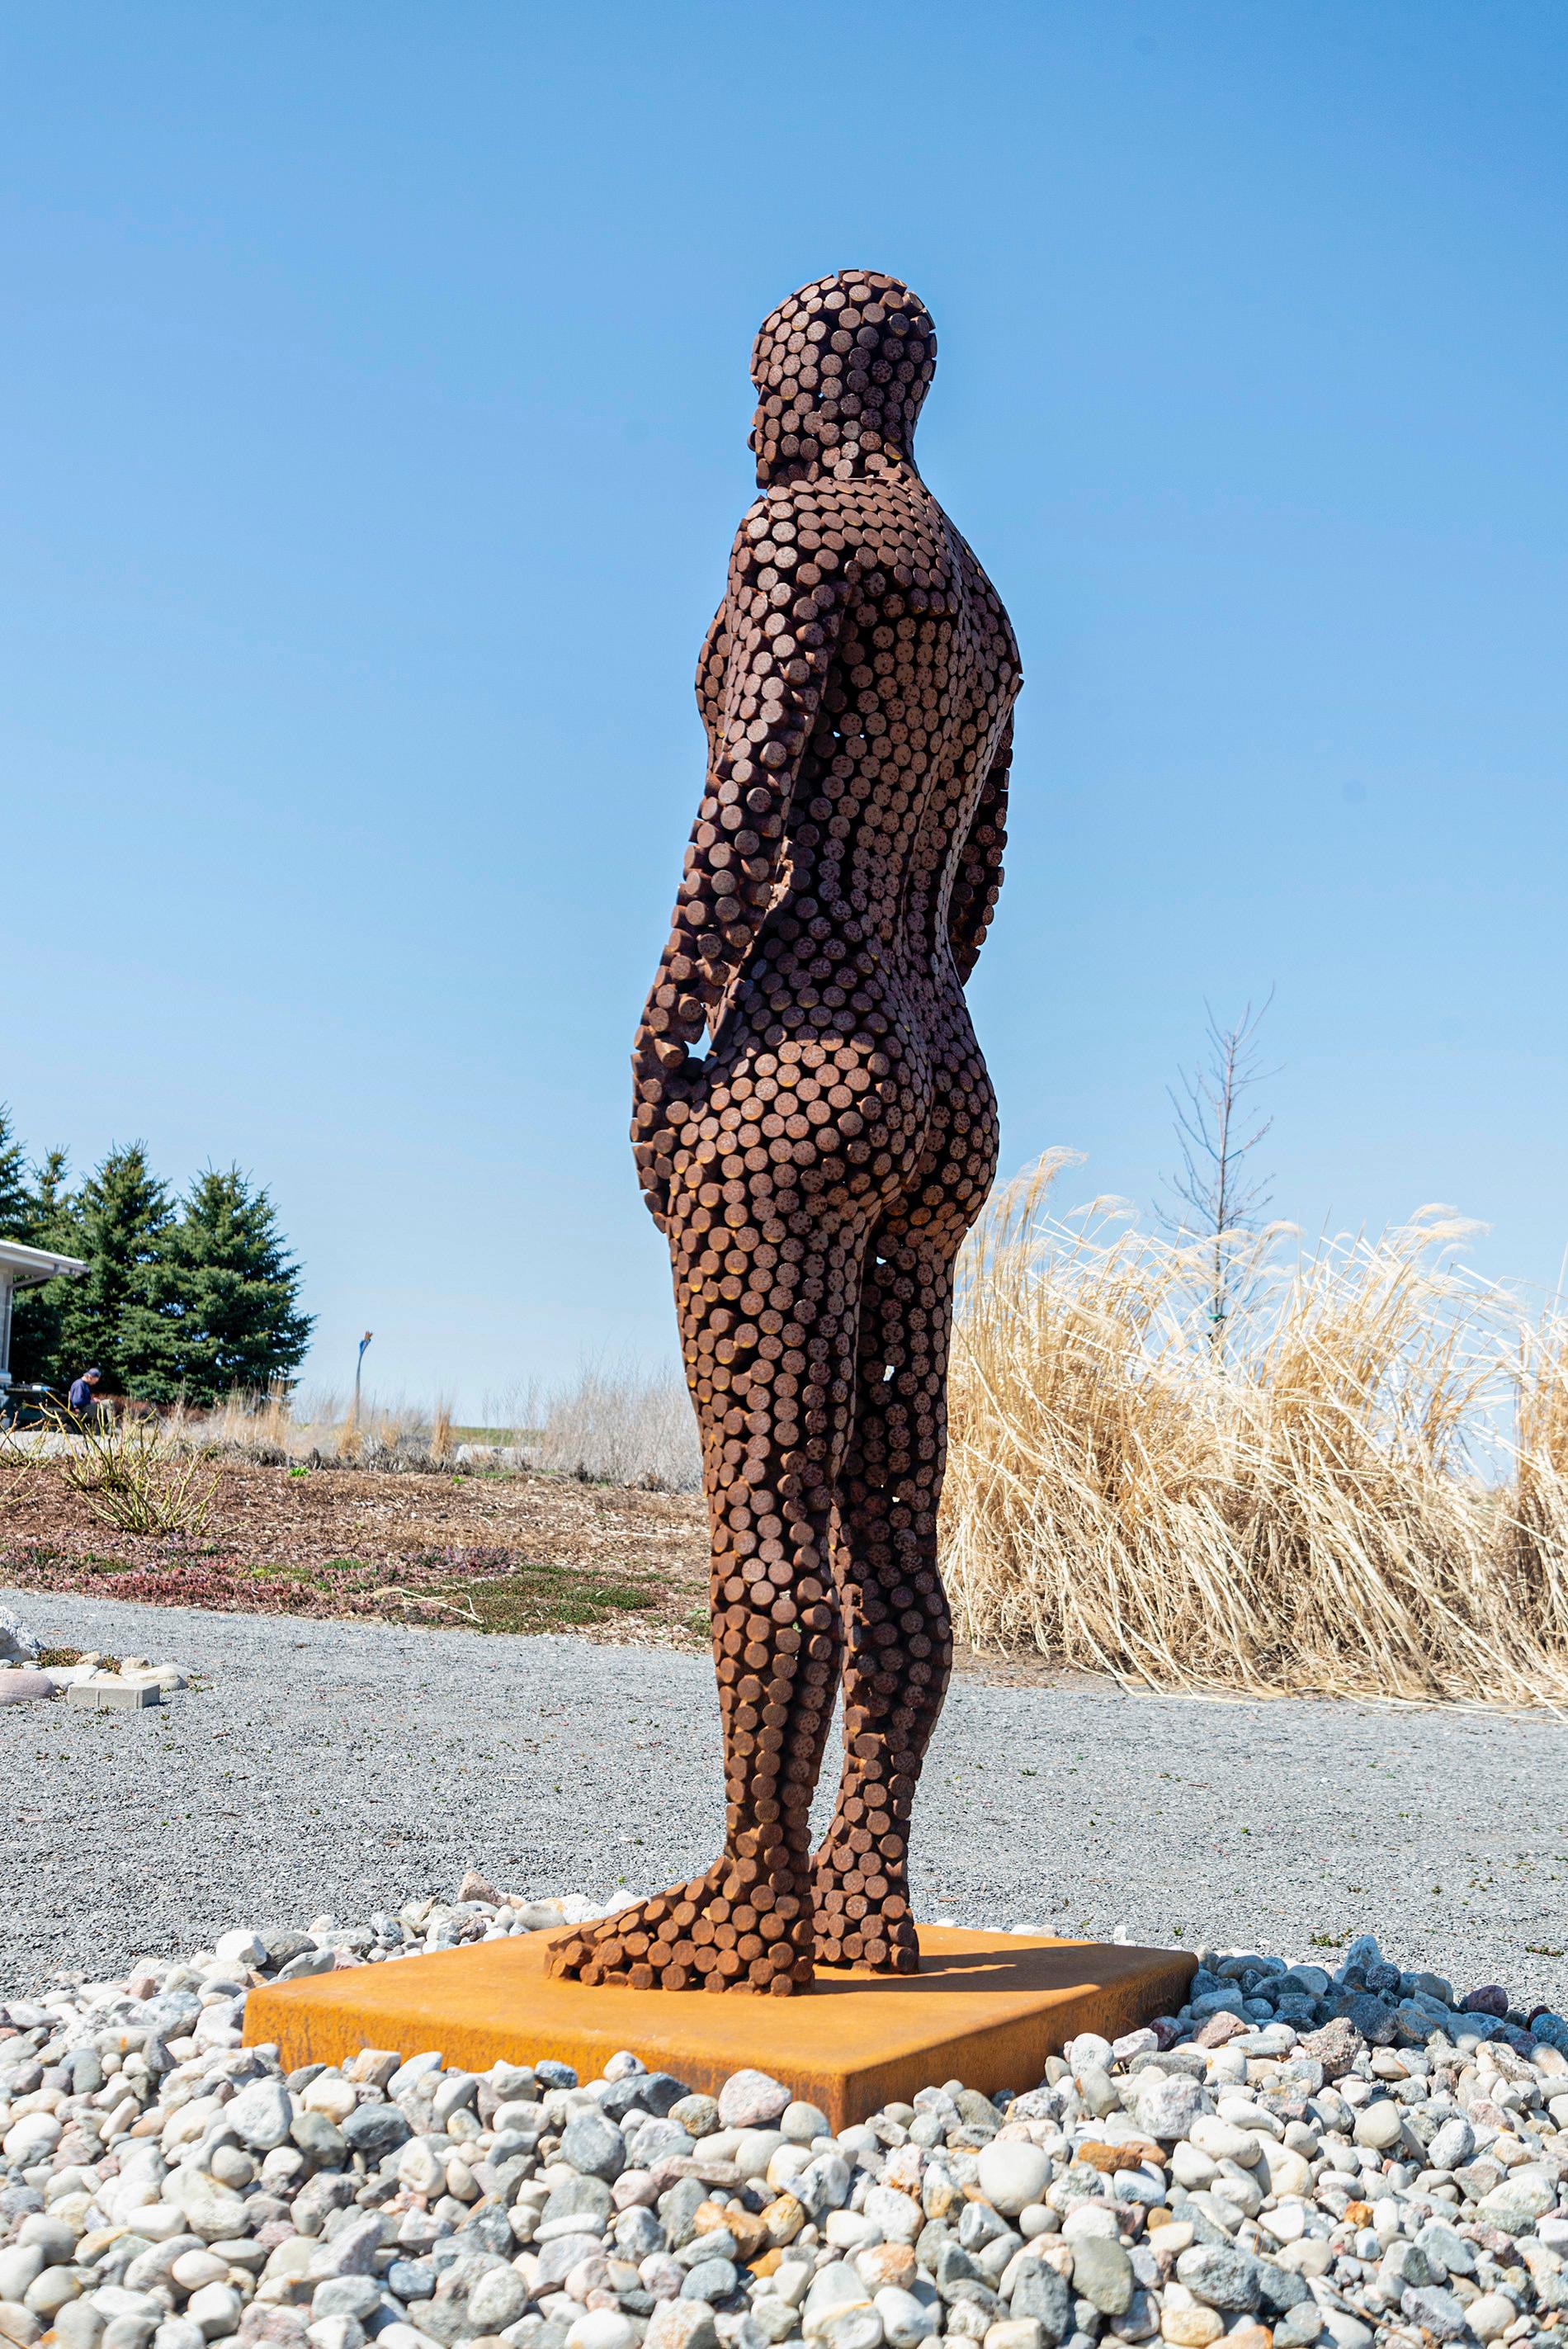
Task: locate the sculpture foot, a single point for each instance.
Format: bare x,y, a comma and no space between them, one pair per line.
732,1928
853,1927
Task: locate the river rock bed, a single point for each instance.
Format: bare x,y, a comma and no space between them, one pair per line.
1294,2157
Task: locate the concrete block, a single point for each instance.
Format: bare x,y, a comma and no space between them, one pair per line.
113,1696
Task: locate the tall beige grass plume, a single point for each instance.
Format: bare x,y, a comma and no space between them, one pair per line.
1326,1507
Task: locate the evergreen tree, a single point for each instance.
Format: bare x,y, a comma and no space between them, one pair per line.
235,1290
38,1327
16,1192
119,1316
53,1201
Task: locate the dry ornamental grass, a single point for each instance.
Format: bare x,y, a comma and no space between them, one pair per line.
1332,1503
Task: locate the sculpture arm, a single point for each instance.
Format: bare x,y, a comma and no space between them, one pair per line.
978,881
781,617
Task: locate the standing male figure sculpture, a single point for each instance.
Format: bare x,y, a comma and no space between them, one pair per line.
817,1171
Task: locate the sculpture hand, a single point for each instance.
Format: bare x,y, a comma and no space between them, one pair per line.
664,1072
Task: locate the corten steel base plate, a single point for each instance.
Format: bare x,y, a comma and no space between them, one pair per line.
988,2008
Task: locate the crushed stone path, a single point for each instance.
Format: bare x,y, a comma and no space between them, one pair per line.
340,1767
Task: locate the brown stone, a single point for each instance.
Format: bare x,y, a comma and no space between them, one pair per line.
888,2264
1335,2046
784,2218
750,2233
1127,2153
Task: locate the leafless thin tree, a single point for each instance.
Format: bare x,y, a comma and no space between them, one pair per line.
1217,1192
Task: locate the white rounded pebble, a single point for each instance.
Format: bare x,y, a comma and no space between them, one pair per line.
850,2230
216,2308
260,2115
179,2332
212,2209
601,2328
1490,2315
751,2099
1380,2125
330,2094
1012,2174
1287,2172
32,2137
21,2264
159,2221
50,2290
240,1949
1089,2219
835,2289
856,2328
1221,2140
898,2216
906,2321
755,2148
191,2269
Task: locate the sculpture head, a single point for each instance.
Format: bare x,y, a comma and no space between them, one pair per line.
841,370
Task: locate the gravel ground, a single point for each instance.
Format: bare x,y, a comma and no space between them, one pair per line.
343,1767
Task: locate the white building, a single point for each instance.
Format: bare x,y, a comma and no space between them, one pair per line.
26,1267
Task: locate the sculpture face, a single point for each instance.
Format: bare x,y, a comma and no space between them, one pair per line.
816,1172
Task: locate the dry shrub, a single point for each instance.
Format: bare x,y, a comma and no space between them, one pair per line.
1329,1505
17,1470
245,1420
132,1475
282,1425
611,1424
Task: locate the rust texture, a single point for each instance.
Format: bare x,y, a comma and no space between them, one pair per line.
985,2007
817,1169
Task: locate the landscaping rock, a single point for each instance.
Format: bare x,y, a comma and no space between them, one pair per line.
19,1645
1334,2181
751,2100
21,1685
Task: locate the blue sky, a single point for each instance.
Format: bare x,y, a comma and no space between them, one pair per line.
376,405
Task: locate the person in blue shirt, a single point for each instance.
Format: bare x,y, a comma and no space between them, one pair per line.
81,1398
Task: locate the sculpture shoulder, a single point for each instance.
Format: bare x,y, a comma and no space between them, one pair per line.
883,532
779,533
860,524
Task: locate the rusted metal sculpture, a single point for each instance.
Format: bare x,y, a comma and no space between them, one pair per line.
817,1171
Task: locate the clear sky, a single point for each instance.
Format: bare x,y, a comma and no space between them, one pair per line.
374,403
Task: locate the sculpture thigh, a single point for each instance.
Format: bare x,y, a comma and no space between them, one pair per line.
893,1614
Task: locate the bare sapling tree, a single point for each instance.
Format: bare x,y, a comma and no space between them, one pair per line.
1217,1191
